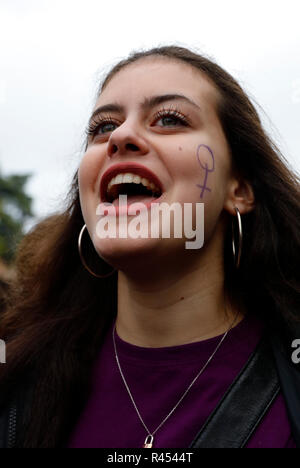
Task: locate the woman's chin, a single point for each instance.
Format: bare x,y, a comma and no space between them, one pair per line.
125,250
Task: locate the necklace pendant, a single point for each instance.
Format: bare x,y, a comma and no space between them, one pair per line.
148,443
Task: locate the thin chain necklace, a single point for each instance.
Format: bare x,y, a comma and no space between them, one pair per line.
150,437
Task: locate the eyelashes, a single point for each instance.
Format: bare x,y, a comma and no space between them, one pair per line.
97,123
173,113
101,120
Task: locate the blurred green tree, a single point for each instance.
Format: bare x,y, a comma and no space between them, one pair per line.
15,209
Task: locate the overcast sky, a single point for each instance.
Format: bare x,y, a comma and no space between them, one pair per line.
53,52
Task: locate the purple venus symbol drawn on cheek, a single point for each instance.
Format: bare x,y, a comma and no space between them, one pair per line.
205,167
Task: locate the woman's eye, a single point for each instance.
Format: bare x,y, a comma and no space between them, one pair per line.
100,128
172,119
162,119
105,126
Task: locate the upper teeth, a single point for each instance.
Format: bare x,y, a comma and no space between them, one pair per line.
128,178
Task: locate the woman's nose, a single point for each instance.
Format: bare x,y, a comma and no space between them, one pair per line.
125,140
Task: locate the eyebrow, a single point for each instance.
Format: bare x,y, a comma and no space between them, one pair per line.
148,103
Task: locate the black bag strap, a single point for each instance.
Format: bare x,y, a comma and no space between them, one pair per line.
244,404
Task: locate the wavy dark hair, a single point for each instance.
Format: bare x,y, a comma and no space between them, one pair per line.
3,293
57,313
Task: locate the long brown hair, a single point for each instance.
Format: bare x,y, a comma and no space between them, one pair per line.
58,313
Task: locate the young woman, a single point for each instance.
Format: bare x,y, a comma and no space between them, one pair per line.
142,342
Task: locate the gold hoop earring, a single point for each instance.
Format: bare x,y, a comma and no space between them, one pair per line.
83,260
237,256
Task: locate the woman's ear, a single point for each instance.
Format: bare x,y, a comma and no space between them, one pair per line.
240,194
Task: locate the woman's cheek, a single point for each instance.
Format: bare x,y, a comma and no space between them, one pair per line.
82,191
211,184
87,177
89,171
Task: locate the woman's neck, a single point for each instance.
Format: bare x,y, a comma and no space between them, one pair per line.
174,308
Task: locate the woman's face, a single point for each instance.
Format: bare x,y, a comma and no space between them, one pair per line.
179,139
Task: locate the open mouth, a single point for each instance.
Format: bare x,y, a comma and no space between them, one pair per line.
135,192
132,179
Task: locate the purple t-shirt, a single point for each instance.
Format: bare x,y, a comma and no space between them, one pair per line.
157,378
